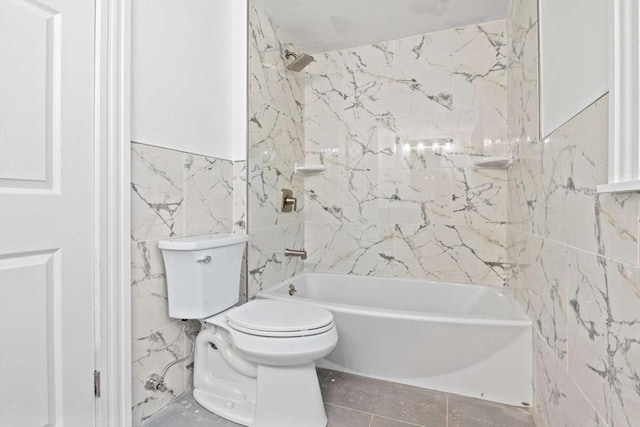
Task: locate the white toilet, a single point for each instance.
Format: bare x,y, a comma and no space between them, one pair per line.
254,364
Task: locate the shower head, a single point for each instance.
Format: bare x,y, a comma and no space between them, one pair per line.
299,62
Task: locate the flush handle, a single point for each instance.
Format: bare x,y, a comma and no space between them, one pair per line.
205,260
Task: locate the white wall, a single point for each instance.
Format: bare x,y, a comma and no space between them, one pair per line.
574,58
189,75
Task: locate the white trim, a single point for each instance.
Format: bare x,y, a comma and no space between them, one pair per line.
239,77
113,148
620,187
624,99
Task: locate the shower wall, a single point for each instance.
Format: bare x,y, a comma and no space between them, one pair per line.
574,253
399,126
173,194
276,142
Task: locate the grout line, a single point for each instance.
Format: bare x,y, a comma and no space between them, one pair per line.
446,414
575,248
400,421
350,409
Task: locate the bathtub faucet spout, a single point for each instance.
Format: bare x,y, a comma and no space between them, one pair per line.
293,252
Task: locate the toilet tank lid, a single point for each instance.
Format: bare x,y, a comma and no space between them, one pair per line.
207,241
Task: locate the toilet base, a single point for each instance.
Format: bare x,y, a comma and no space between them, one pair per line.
238,412
289,396
279,396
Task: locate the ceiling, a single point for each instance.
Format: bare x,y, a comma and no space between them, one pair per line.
325,25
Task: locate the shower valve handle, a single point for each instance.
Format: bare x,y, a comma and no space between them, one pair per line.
291,201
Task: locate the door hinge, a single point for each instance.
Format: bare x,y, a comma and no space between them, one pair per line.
96,383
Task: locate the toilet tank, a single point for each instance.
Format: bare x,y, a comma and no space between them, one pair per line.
203,273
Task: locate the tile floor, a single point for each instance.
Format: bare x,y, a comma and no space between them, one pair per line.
354,401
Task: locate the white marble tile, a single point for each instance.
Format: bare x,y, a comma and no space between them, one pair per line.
434,44
545,268
276,145
479,196
395,163
265,198
269,80
415,196
325,95
150,354
265,258
559,401
604,336
173,194
448,253
349,249
525,188
522,73
486,37
208,195
619,227
240,196
293,237
157,193
149,304
268,129
360,194
437,140
566,206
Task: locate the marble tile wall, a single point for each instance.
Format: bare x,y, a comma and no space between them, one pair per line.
399,126
172,194
276,144
574,255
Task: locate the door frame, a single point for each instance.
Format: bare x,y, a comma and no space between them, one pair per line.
113,212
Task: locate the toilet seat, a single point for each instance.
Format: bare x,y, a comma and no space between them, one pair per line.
281,319
278,333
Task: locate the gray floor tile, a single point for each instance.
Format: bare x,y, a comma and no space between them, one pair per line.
186,412
386,422
343,417
468,412
322,374
351,400
390,400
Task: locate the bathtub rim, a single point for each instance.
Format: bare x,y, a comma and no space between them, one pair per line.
272,293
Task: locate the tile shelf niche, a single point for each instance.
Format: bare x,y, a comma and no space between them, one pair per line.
493,163
308,170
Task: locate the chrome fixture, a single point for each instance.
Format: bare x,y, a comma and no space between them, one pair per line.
294,252
289,203
292,290
155,382
205,260
299,62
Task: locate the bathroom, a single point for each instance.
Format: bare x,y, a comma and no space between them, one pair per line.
456,182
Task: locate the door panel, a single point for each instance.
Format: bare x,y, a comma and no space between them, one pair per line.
33,277
47,216
30,82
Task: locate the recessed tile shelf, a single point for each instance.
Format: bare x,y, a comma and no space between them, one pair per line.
307,170
493,163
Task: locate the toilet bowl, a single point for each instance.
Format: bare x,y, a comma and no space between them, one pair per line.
255,363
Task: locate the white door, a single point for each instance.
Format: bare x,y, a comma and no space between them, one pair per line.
47,217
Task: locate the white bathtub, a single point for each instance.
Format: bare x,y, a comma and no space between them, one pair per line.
469,340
